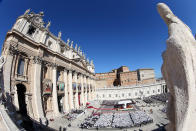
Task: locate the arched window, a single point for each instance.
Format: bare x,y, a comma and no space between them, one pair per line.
20,70
49,44
31,30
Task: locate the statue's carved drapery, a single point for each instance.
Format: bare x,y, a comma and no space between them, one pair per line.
179,71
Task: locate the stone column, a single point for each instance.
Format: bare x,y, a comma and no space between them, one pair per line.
91,89
66,102
15,101
54,91
85,94
76,105
7,69
70,90
37,89
82,89
94,89
88,83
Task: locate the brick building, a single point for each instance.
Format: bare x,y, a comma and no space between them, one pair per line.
124,77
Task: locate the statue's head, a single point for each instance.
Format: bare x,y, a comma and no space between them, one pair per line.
166,14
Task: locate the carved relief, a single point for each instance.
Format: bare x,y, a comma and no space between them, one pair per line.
37,60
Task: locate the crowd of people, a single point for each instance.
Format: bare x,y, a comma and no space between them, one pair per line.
117,120
140,117
160,97
89,122
105,120
74,114
122,120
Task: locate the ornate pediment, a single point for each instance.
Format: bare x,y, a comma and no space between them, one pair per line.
80,62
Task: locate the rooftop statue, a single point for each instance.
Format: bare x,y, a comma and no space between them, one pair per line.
48,25
91,62
84,55
71,44
41,13
76,46
79,49
68,40
27,11
59,35
179,71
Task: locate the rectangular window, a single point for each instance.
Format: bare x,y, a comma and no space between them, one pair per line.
20,70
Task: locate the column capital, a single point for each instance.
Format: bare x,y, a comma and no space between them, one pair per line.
75,72
81,75
70,70
37,60
65,70
13,50
54,65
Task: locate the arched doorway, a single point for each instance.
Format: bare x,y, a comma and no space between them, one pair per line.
21,89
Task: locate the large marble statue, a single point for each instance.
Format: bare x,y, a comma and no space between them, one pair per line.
2,62
179,71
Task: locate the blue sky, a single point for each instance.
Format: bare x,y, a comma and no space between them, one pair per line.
111,32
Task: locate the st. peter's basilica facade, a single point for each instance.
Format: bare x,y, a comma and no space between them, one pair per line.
43,75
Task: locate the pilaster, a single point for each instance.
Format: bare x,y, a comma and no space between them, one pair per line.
37,63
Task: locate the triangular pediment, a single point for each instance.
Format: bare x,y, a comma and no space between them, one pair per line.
80,62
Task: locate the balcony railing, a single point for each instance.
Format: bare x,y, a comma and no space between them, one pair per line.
21,77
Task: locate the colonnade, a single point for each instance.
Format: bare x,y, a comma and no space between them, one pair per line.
78,90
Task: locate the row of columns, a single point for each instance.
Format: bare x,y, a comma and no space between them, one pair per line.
71,100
